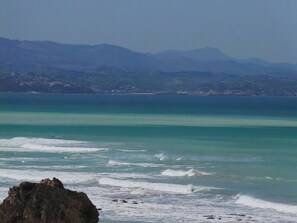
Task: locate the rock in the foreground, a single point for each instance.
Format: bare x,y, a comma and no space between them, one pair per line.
46,202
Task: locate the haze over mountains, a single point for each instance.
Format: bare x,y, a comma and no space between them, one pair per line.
41,55
45,66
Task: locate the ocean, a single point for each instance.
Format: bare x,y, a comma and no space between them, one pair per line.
158,158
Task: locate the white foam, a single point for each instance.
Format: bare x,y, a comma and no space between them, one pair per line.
183,173
164,187
133,150
258,203
23,159
35,175
30,147
161,156
172,208
17,141
117,163
126,176
23,144
271,178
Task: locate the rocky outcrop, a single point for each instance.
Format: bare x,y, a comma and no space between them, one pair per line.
47,202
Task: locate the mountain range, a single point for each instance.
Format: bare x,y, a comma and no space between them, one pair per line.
49,67
45,55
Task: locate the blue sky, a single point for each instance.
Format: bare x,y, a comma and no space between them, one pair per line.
240,28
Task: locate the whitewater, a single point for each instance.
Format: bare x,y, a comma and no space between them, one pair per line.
169,170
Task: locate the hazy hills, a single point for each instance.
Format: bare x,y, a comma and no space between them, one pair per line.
43,66
36,55
42,55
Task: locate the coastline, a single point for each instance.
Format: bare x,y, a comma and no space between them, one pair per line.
148,94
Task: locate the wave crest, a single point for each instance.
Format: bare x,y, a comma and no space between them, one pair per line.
117,163
182,173
23,144
258,203
164,187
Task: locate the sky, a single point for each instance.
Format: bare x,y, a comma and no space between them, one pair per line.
265,29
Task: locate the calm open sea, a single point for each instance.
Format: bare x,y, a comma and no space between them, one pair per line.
150,158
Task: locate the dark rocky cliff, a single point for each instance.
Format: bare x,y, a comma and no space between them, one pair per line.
47,202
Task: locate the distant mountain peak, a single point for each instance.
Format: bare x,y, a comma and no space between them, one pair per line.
23,55
198,54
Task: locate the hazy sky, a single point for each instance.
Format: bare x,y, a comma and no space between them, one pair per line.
240,28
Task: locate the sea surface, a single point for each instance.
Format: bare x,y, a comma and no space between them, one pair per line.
158,158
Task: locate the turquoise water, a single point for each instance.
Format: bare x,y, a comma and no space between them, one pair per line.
179,158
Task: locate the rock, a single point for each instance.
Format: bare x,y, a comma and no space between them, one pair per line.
209,216
47,202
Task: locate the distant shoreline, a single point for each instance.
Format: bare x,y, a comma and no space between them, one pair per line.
146,94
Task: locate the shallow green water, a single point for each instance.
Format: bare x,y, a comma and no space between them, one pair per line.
225,154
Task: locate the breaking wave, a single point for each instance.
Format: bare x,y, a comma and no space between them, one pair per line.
182,173
258,203
132,150
117,163
36,176
164,187
23,144
161,156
